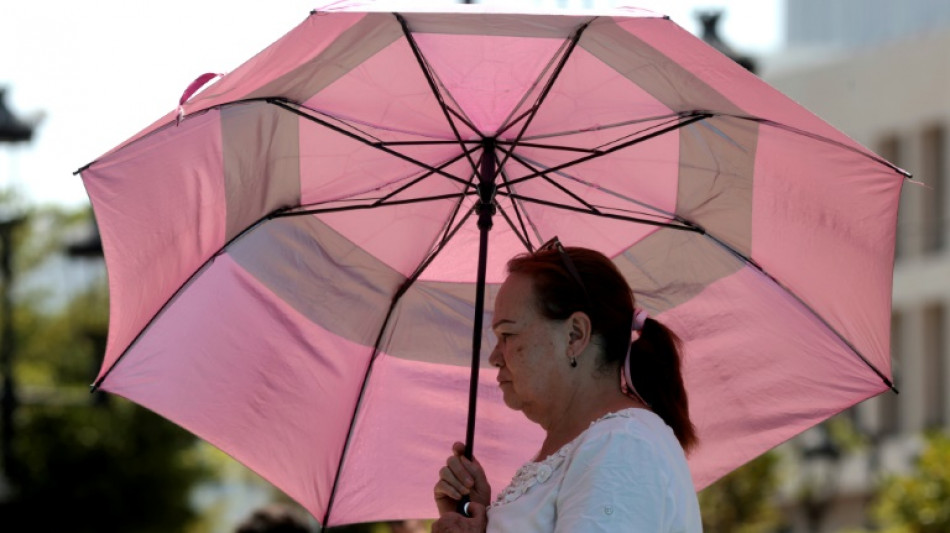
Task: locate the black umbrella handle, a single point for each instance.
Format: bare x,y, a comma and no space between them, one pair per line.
462,507
486,209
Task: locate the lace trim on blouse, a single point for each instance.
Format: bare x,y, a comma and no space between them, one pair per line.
538,472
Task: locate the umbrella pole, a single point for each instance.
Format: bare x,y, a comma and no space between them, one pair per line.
486,209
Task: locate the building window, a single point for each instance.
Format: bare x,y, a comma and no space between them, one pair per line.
891,148
934,171
889,409
935,353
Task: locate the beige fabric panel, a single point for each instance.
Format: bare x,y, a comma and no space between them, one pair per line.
371,34
261,162
657,266
493,24
319,273
665,80
717,165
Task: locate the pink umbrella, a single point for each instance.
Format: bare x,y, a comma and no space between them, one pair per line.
296,264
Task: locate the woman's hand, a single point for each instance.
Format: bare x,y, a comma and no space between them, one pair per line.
453,522
461,477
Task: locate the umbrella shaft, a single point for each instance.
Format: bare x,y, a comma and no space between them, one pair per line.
486,209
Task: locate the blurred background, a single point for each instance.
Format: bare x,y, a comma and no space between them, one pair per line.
77,78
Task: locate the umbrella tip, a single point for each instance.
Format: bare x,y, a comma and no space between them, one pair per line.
892,387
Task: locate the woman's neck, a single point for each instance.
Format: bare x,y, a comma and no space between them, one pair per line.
578,417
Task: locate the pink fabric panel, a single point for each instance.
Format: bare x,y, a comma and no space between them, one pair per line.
740,86
150,254
401,235
247,373
388,89
811,216
645,172
487,75
607,235
459,259
805,376
336,167
409,418
590,94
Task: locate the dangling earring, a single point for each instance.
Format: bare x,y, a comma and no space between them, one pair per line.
573,362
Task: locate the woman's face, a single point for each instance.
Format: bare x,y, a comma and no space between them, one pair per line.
531,353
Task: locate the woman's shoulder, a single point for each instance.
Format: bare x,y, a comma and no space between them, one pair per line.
631,435
634,422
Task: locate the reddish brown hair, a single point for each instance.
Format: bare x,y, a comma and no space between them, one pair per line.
655,356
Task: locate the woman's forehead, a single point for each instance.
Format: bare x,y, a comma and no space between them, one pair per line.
515,297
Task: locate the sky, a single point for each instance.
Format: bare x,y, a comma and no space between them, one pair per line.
95,72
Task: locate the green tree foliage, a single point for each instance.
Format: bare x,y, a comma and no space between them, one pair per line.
918,502
741,502
83,462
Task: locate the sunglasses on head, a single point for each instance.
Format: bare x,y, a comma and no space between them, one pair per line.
555,244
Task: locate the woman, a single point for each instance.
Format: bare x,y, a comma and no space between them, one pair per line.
603,380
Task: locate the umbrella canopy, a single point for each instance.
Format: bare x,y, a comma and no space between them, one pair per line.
292,261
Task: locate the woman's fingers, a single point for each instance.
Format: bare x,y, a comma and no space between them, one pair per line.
461,477
452,477
460,470
444,489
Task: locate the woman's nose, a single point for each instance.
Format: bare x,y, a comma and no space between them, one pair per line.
495,358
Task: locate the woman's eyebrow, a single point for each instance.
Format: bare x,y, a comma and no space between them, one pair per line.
502,321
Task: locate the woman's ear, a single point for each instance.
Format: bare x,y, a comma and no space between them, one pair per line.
580,331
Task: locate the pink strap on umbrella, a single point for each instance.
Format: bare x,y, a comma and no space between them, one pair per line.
193,87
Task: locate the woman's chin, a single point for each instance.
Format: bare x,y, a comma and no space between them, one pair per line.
510,399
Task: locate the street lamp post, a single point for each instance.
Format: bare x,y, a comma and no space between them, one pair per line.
8,402
12,130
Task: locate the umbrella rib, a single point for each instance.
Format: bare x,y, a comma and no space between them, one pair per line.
821,138
554,147
510,122
597,149
615,194
286,105
374,205
533,112
458,206
605,127
422,177
752,263
369,367
657,126
689,119
517,210
423,143
515,120
435,90
557,185
523,238
680,224
432,255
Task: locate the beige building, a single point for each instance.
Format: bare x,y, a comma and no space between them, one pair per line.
892,94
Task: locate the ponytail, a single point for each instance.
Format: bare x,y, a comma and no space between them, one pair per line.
655,363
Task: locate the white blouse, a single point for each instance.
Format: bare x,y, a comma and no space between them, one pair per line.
626,472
